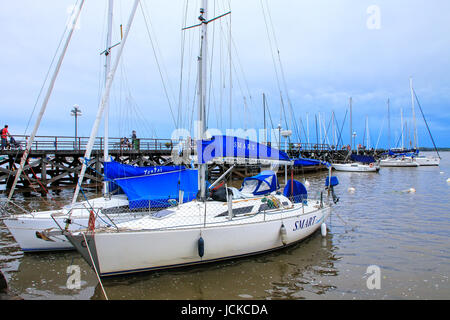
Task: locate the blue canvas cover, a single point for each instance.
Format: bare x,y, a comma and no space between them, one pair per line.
334,181
305,162
116,170
234,147
156,190
296,191
362,158
261,184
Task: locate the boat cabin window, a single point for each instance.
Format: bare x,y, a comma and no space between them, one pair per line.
237,211
162,214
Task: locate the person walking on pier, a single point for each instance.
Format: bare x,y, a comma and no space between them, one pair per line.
4,134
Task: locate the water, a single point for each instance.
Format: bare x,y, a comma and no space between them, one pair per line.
405,234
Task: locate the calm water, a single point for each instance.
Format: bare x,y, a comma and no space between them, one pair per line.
405,234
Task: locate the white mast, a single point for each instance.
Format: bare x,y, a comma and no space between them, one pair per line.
413,111
77,12
351,129
389,126
307,127
401,120
103,103
202,92
368,134
107,69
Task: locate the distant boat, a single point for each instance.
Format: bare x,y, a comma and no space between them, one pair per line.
359,163
422,160
400,161
356,167
427,161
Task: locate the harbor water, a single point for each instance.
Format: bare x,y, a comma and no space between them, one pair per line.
384,241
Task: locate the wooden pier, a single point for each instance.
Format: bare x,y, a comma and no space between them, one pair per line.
54,162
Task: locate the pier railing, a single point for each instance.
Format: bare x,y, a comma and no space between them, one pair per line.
67,143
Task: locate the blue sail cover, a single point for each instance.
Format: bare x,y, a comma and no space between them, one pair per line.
402,152
116,170
305,162
362,158
296,191
156,190
234,147
261,184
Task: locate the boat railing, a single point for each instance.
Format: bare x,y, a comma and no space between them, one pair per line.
167,214
10,208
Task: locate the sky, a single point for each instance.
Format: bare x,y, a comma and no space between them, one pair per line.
311,55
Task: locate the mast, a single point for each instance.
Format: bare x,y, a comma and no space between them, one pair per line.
103,103
389,125
264,110
401,120
307,127
202,92
351,129
107,69
413,112
45,102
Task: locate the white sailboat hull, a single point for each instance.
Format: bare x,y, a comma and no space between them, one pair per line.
124,252
355,167
428,161
25,226
400,162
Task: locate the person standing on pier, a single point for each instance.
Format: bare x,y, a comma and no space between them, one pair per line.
4,134
133,139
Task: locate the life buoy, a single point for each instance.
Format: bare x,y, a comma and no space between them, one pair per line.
371,165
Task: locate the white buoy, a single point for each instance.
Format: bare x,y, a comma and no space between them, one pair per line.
442,172
307,184
351,190
448,180
412,190
323,229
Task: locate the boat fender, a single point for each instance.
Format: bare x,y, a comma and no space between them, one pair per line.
283,234
201,247
323,229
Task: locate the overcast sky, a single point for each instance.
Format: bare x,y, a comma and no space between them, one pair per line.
330,50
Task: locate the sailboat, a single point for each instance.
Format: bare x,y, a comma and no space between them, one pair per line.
399,157
41,231
357,163
422,160
222,223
